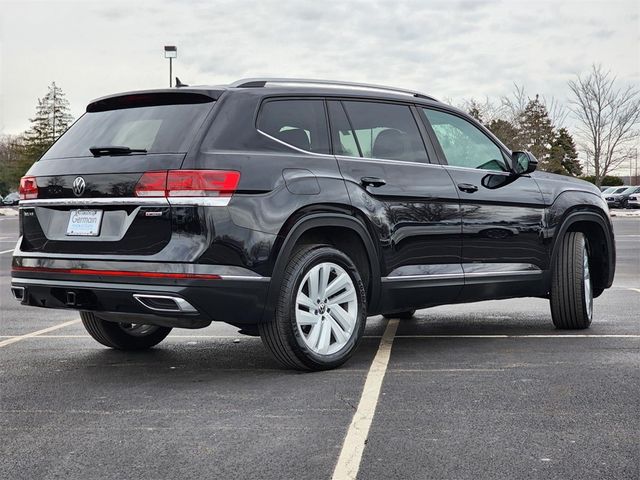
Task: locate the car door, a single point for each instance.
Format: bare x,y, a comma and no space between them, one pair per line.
502,214
411,204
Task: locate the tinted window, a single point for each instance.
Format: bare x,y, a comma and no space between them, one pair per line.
157,129
384,130
463,144
344,140
300,123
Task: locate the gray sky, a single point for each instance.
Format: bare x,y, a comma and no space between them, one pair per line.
449,49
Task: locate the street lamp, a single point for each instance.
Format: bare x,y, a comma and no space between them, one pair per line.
170,52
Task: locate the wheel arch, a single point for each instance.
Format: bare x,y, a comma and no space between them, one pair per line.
600,237
326,228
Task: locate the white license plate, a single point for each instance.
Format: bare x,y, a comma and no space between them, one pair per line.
84,223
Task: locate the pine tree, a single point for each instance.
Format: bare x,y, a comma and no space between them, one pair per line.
564,156
52,118
536,134
506,132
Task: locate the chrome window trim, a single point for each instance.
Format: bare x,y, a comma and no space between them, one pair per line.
347,157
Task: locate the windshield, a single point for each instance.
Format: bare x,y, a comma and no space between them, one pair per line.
164,128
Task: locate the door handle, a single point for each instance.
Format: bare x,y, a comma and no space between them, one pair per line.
467,187
372,182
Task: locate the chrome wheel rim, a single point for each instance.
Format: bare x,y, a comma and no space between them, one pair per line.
326,308
138,329
588,292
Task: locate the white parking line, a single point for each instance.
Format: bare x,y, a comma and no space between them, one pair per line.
4,343
489,336
6,251
353,446
635,289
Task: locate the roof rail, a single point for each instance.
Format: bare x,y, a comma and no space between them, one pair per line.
262,82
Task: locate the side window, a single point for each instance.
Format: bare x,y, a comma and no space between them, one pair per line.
385,130
299,123
344,140
463,144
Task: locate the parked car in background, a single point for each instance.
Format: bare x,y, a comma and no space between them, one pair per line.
295,209
606,190
620,197
634,200
11,199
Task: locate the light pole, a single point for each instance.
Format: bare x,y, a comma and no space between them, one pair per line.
170,52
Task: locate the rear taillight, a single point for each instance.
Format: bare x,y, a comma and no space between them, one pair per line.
202,183
152,184
188,183
28,188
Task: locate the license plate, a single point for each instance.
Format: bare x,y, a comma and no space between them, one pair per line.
84,223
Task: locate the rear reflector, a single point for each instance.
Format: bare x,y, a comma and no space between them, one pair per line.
28,188
188,183
118,273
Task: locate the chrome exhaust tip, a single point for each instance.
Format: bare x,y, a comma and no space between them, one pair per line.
164,303
18,293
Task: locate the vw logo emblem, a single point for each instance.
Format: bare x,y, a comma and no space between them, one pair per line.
78,186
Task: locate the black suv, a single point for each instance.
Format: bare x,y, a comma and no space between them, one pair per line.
294,209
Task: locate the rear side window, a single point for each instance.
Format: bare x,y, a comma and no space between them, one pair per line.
143,122
385,130
299,123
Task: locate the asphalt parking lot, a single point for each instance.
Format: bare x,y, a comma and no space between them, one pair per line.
479,391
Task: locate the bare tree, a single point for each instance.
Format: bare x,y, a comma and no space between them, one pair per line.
607,119
512,106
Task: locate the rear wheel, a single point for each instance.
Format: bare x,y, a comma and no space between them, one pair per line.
571,286
321,311
123,336
406,315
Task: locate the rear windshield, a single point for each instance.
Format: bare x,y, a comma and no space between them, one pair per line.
159,128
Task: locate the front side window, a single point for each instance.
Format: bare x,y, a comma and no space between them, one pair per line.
463,144
299,123
385,130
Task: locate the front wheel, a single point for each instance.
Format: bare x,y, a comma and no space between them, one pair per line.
571,287
321,311
125,335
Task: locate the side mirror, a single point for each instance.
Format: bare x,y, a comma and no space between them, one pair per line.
523,162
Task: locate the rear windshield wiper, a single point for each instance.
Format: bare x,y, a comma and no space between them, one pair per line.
115,150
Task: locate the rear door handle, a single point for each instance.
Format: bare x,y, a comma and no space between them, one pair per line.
372,182
467,187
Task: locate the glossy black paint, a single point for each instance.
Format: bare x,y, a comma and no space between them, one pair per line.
424,240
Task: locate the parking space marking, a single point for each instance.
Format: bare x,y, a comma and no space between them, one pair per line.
10,341
6,251
635,289
353,446
488,336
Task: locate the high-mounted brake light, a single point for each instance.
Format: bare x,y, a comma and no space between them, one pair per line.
28,188
188,183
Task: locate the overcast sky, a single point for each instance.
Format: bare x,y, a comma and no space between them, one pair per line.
449,49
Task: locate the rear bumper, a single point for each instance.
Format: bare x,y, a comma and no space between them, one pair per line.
186,303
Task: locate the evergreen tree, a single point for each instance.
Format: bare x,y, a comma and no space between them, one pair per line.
536,134
564,156
506,132
52,118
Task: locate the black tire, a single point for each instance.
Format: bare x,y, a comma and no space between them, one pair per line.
401,315
115,335
282,336
571,298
